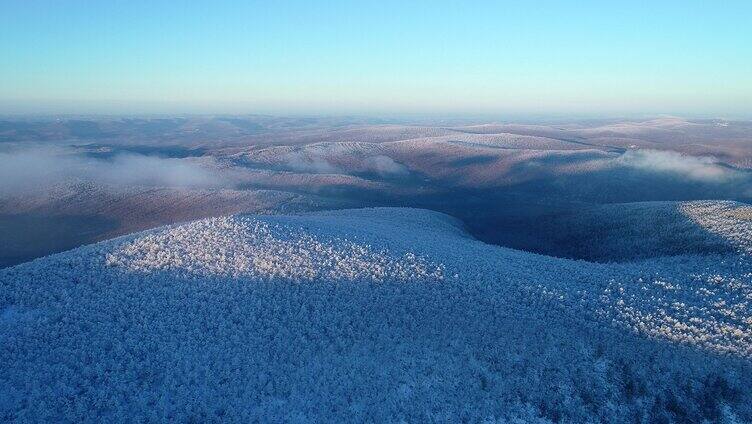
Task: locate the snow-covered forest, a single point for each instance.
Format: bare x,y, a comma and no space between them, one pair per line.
289,271
386,314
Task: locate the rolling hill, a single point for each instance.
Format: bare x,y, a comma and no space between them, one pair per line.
385,314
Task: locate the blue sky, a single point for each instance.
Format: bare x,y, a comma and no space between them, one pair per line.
380,57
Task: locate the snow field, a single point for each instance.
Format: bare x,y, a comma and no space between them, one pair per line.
373,315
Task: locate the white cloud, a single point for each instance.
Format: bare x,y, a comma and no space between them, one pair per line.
692,167
312,163
385,166
26,169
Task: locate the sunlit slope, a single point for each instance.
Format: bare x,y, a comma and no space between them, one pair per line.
374,314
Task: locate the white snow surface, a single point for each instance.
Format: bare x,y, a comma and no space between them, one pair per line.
377,315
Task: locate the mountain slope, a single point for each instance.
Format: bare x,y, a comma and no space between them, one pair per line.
374,315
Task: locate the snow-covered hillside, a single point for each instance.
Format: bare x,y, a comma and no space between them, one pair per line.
376,315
